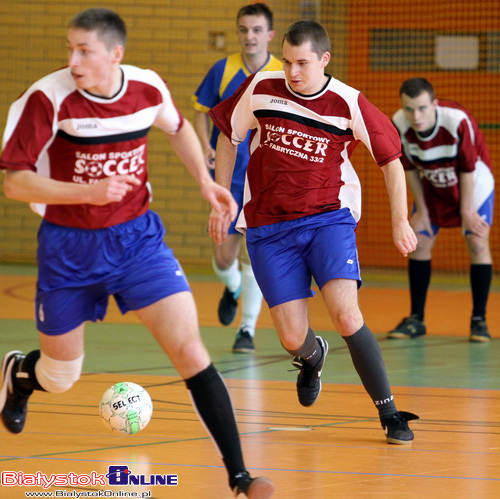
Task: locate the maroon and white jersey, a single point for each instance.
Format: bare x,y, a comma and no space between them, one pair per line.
455,145
301,146
67,134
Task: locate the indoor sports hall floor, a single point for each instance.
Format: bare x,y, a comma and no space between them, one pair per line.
335,449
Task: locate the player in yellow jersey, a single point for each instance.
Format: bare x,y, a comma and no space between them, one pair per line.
255,30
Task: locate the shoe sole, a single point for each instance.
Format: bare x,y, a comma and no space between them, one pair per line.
399,442
479,339
6,373
402,336
243,350
260,488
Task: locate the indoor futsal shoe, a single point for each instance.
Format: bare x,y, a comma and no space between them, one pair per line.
479,331
228,305
309,378
253,488
13,403
396,428
243,342
408,328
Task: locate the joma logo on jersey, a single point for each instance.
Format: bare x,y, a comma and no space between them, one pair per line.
85,126
89,167
279,101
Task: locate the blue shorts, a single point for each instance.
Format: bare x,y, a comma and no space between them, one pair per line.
286,256
485,211
79,269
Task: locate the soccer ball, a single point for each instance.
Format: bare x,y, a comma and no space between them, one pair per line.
126,408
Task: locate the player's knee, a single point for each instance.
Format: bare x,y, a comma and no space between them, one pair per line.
192,353
57,376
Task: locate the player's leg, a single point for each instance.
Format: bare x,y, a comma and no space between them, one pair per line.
481,270
299,340
340,296
226,267
419,276
285,280
52,368
66,298
251,304
174,324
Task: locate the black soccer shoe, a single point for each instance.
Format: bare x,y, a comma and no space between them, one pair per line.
479,331
396,428
309,378
228,306
409,328
243,342
13,403
253,488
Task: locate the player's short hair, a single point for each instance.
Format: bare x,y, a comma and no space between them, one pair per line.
109,26
256,9
415,86
304,31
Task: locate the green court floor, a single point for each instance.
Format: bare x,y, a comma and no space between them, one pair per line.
448,362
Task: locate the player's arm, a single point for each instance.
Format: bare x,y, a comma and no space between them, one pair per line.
470,218
420,220
27,186
224,166
404,238
202,126
188,148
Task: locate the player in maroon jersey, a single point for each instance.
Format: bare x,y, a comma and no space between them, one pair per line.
76,145
302,204
448,168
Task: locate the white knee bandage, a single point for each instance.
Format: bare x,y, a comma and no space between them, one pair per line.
57,376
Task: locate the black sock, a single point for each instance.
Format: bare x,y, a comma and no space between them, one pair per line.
213,404
23,374
310,351
369,364
480,281
419,274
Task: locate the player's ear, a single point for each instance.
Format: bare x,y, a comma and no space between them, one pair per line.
325,59
117,54
270,35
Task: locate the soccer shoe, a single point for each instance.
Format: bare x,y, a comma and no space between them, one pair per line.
228,305
479,332
13,403
396,428
409,327
243,342
309,378
253,488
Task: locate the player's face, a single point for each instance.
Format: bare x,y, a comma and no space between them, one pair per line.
304,70
254,35
94,67
420,111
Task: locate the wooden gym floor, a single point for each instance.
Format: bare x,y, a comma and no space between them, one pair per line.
335,449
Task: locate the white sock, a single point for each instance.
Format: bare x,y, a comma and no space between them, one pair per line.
251,299
231,277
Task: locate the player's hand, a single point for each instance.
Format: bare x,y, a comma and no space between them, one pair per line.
224,210
209,155
474,223
218,226
404,238
112,189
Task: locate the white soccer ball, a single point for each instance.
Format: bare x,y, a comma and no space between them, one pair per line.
126,408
